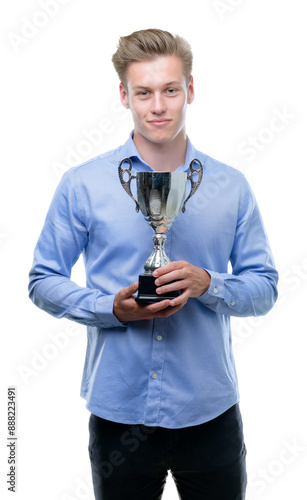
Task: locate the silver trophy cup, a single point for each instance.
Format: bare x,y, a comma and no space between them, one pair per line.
160,197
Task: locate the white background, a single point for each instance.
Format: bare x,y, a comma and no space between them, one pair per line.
58,84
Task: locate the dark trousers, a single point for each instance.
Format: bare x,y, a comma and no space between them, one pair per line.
131,462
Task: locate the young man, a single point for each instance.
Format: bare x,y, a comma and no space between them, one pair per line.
159,379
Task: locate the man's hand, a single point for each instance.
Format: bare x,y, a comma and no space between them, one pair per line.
192,280
125,308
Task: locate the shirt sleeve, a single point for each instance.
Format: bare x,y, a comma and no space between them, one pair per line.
62,240
251,288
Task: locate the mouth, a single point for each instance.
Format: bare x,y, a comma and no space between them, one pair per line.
159,122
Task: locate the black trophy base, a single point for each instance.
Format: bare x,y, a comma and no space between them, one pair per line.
147,291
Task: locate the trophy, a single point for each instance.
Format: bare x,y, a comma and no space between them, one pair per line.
160,197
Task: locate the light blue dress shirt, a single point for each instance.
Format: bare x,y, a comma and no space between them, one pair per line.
173,372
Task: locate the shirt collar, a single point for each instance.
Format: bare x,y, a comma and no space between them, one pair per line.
129,150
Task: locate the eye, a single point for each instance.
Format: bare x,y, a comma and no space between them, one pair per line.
171,91
143,93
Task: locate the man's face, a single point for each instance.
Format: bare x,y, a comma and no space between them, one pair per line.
157,95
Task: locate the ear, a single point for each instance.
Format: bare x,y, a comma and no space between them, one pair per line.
124,96
191,92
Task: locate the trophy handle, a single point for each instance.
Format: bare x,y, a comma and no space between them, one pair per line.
126,184
194,184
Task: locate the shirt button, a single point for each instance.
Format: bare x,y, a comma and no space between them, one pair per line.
154,375
232,302
159,337
215,290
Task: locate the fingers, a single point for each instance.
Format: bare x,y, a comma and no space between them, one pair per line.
172,286
181,275
172,308
127,292
125,308
169,311
157,306
170,268
181,300
124,302
173,271
171,277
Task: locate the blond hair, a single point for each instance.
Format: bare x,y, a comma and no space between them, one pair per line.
145,45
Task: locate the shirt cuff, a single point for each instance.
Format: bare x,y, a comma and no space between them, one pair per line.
215,290
220,289
104,312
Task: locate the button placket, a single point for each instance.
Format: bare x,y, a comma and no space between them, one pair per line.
155,372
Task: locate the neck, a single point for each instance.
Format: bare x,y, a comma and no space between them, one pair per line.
164,157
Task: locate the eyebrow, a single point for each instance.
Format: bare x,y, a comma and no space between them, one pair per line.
168,84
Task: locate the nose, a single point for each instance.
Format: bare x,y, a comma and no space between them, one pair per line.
158,105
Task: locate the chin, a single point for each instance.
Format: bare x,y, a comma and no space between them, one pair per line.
160,139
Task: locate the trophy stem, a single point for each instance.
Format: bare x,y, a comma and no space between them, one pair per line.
147,288
158,258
